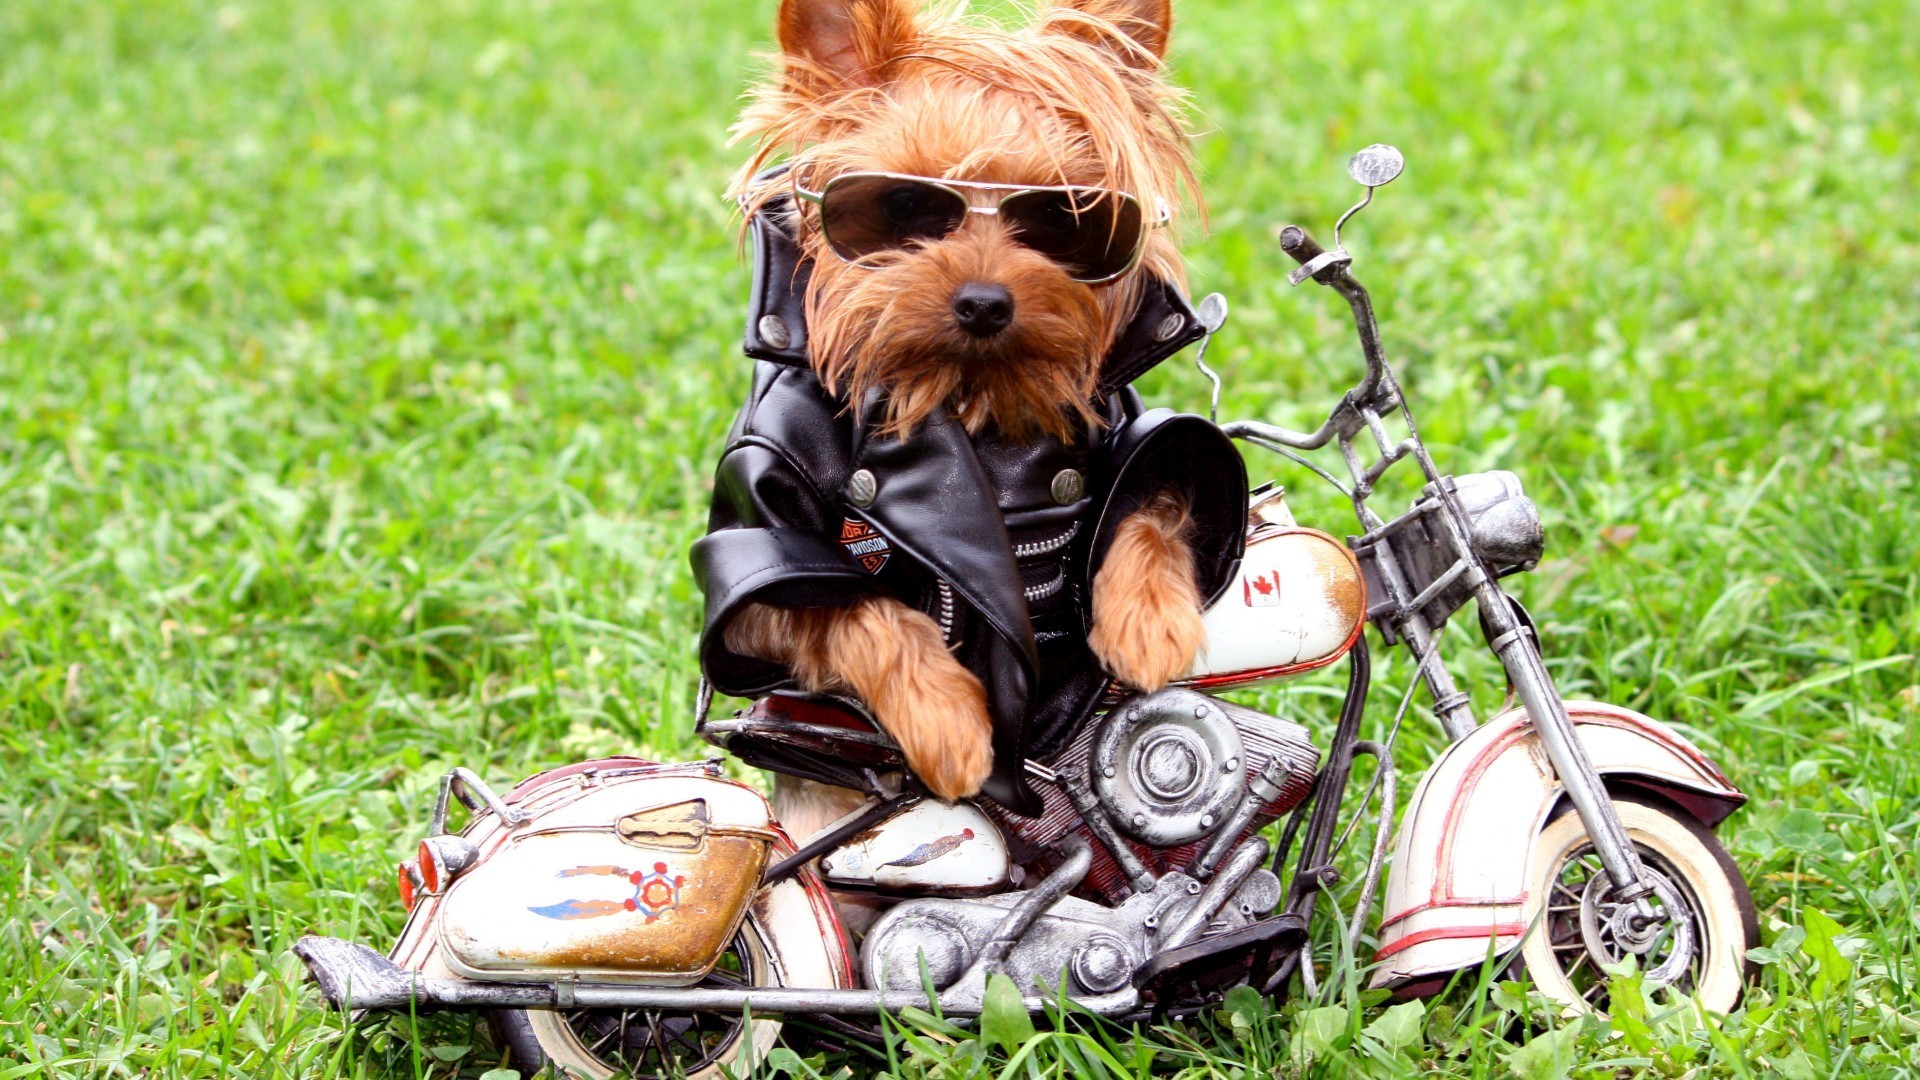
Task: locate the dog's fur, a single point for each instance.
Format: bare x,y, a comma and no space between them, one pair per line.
1076,98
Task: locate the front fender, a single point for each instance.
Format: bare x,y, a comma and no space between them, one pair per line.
1458,885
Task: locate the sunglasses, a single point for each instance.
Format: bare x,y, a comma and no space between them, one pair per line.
1094,234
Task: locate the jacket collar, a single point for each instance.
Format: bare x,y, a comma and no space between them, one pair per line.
777,322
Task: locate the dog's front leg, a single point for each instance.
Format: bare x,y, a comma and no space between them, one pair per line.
894,659
1146,605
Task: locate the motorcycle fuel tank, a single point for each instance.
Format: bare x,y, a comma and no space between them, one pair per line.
1297,604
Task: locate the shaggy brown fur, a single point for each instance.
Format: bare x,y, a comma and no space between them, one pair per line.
893,326
1146,607
1076,98
891,657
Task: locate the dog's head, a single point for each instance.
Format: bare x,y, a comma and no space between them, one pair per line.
1058,153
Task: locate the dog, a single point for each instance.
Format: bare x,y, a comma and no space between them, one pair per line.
1068,147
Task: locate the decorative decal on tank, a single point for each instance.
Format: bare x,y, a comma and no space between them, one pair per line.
654,894
866,545
1261,590
932,849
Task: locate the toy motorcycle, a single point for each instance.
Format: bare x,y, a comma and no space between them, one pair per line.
641,918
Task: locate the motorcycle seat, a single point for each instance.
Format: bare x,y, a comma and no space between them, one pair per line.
811,736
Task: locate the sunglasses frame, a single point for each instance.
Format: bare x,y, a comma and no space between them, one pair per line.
959,188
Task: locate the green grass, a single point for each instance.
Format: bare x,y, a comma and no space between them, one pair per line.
362,367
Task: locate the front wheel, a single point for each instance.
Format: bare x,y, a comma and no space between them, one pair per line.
1700,943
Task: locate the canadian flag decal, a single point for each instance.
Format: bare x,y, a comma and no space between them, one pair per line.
1261,590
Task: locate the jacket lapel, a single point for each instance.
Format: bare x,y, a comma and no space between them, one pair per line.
932,501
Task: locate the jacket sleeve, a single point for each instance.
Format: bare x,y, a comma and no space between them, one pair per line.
770,541
1160,450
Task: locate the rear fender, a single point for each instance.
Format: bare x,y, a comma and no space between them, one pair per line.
1458,885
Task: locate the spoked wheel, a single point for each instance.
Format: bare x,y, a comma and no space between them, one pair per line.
1703,922
593,1044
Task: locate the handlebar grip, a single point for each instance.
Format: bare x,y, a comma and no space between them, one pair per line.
1295,242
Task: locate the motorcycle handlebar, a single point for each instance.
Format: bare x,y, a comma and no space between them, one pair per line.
1332,273
1295,242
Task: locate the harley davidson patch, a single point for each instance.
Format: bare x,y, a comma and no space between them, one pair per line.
866,545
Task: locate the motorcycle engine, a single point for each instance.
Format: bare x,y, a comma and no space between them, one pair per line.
1166,777
1168,769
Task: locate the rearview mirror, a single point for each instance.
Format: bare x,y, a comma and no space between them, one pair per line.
1376,166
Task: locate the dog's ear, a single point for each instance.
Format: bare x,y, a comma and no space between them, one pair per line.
829,44
1148,23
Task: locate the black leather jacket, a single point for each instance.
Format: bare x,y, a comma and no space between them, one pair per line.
997,541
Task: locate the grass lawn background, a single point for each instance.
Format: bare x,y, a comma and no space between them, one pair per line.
362,367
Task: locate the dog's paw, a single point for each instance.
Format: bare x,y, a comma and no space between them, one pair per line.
1146,607
932,706
937,712
1145,636
948,745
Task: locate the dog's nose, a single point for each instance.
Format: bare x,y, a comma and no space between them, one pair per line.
982,310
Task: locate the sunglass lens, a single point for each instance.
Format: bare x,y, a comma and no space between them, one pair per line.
864,214
1093,234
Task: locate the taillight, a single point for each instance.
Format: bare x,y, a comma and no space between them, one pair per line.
409,875
442,858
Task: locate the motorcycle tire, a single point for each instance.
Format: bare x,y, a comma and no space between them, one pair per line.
1574,930
593,1044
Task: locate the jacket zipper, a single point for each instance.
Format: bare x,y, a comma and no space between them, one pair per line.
1047,547
946,611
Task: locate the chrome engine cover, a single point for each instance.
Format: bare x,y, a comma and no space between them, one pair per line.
1098,951
1094,947
1168,767
1271,746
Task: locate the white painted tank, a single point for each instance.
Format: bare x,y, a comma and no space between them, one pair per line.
1298,604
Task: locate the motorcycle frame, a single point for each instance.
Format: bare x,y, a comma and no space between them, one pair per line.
1402,612
1314,872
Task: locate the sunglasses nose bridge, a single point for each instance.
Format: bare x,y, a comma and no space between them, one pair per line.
980,224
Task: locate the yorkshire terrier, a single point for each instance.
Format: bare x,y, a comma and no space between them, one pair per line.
979,311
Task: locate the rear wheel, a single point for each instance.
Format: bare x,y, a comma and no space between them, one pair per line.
593,1044
1704,925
